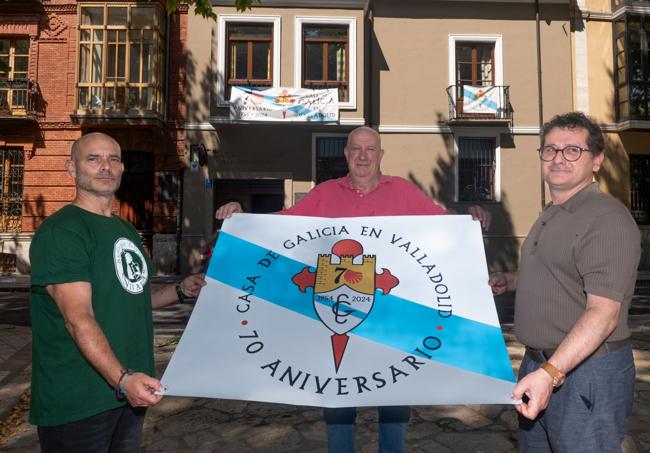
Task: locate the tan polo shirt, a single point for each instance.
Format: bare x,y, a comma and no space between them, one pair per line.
589,244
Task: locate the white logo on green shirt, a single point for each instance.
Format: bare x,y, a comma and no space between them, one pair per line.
130,266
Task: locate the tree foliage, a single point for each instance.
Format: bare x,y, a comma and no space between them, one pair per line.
204,8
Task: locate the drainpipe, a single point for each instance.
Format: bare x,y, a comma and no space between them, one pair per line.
368,72
181,173
539,94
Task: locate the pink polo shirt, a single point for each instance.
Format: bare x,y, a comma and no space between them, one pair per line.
393,196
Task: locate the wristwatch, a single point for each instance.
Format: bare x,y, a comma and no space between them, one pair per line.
557,376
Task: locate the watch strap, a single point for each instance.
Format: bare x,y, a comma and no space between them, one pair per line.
557,376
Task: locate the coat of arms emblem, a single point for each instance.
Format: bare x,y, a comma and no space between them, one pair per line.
344,286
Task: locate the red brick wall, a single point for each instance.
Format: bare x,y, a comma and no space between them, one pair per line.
52,28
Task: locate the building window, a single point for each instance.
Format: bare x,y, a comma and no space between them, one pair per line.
477,169
11,188
475,63
632,66
476,88
14,85
329,158
640,188
121,59
326,56
250,55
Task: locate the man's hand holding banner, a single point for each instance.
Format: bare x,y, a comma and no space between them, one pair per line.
345,312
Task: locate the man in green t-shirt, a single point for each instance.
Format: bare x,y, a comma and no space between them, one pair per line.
91,305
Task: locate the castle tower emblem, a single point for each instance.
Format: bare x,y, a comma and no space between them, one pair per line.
344,286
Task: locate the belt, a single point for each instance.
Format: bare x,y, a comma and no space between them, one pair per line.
542,355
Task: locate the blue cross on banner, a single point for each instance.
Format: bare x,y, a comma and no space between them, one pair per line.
480,99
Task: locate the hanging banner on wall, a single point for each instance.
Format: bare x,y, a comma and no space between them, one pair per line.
345,312
483,99
284,104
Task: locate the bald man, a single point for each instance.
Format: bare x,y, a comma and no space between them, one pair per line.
91,303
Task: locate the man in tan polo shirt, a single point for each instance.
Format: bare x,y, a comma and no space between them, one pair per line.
574,286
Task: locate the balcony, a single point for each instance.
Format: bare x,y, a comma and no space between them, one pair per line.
18,98
479,104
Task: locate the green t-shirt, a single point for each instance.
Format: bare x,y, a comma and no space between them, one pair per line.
75,245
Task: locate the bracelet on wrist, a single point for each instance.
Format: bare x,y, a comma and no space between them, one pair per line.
179,293
120,388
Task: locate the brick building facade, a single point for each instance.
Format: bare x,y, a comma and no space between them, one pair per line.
68,68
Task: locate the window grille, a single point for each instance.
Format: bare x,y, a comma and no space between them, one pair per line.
640,188
11,188
476,169
330,159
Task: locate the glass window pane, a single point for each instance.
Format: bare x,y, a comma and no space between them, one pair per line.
486,73
117,16
4,46
484,53
83,97
110,70
464,73
92,15
313,61
97,63
249,31
85,35
239,60
147,98
134,64
4,63
84,62
261,60
637,100
134,98
325,32
95,98
110,99
147,63
336,69
121,61
142,17
98,35
22,46
463,53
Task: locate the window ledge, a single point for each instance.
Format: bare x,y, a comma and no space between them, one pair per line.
632,125
82,117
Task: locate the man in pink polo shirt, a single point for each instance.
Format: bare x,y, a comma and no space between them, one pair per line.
364,192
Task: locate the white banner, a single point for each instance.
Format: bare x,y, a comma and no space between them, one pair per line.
284,104
483,99
345,312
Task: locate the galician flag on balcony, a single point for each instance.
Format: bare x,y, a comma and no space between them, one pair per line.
284,104
484,99
345,312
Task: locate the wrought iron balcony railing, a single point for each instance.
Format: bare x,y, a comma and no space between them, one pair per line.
479,103
18,97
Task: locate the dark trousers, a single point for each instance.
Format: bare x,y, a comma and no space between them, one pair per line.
114,431
588,412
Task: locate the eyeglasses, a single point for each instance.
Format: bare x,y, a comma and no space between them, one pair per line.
570,153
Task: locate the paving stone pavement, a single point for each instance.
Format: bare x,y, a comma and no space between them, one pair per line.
206,425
